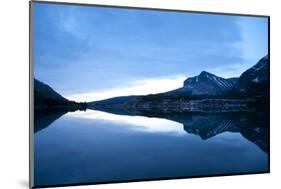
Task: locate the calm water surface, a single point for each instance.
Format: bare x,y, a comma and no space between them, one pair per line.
94,146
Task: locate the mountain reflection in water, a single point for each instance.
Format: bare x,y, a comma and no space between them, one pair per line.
252,126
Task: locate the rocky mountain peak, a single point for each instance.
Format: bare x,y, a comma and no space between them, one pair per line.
205,73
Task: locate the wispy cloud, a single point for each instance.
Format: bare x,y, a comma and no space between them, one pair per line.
233,70
138,87
254,43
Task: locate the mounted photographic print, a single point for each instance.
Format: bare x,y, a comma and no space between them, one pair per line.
121,94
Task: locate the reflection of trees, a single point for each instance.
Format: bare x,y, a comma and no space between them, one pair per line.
44,117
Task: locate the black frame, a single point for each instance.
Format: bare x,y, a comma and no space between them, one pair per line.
31,102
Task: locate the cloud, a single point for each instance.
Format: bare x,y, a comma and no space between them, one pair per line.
138,87
99,52
71,25
232,70
254,32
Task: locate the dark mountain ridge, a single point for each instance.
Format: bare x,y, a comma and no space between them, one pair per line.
47,98
254,81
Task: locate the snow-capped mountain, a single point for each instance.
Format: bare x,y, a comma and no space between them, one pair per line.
254,81
251,84
205,84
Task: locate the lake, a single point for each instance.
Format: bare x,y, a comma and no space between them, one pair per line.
94,146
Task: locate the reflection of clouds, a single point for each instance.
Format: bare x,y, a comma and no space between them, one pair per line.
138,123
139,87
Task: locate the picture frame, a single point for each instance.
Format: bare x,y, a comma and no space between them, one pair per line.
156,113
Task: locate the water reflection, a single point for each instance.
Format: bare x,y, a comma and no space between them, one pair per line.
252,126
45,117
137,123
95,146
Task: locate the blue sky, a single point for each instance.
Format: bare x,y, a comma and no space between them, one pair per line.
92,53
